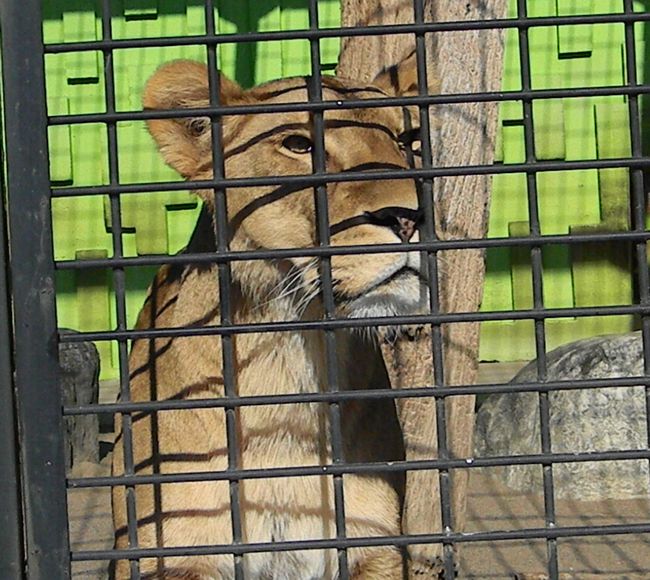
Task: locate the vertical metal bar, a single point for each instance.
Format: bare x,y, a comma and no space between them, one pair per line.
637,201
119,286
538,293
36,369
315,92
225,286
428,233
11,532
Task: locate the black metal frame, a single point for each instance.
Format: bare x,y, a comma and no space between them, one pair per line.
35,357
37,407
10,517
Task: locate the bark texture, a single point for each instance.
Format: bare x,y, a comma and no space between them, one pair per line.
457,62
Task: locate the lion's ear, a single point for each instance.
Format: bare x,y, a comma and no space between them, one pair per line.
184,84
400,79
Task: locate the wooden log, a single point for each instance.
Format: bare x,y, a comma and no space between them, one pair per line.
362,57
469,61
79,364
409,364
457,62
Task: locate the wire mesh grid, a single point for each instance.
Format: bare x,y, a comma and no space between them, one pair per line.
224,258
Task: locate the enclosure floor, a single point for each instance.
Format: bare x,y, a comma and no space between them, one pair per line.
491,506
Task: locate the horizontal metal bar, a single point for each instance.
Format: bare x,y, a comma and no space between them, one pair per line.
401,541
359,468
354,395
316,179
233,110
339,323
283,253
345,32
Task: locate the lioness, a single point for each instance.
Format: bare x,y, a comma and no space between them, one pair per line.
279,435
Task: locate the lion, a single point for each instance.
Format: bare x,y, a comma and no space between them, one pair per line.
180,368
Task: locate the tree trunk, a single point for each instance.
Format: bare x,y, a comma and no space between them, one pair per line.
470,61
459,62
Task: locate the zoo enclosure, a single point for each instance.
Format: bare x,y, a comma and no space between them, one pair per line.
72,85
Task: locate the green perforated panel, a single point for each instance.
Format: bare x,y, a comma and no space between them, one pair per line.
568,201
160,223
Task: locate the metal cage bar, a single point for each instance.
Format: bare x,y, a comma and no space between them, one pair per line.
35,358
538,294
430,246
311,180
10,511
360,468
401,541
224,274
34,324
637,201
334,32
428,234
531,313
482,389
315,94
325,105
119,284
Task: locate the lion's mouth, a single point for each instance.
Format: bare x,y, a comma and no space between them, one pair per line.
404,291
401,274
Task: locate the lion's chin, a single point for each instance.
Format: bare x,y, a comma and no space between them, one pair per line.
402,295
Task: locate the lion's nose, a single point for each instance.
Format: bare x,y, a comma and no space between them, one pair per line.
402,220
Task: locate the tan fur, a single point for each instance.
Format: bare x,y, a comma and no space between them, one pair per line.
180,441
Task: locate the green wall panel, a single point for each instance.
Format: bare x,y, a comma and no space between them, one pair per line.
160,223
568,201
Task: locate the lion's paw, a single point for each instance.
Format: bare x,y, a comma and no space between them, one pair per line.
429,568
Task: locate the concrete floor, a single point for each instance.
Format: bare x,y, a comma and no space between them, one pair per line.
491,506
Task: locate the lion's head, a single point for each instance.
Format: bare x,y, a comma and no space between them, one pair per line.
277,144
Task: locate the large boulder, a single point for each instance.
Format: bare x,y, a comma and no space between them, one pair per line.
583,420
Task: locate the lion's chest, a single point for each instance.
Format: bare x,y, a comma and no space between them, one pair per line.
282,434
298,565
284,510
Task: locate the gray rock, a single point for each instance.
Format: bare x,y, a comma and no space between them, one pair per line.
79,363
584,420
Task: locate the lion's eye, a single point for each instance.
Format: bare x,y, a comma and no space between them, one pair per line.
297,144
198,125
